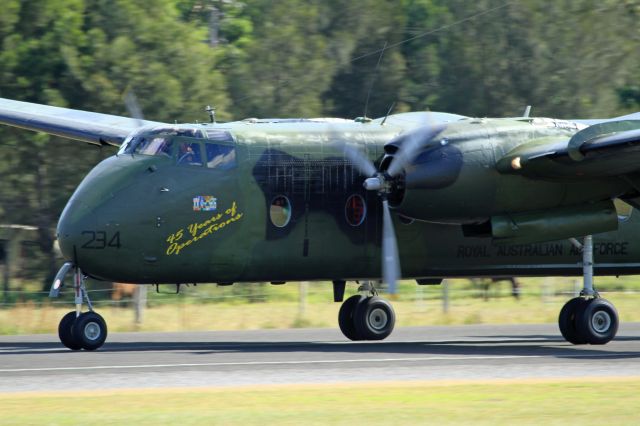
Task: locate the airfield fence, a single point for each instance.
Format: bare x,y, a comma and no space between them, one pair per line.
305,292
304,304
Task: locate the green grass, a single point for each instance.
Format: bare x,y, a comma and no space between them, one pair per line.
207,307
550,402
31,318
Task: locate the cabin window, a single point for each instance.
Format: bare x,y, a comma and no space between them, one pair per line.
355,210
189,154
220,156
280,211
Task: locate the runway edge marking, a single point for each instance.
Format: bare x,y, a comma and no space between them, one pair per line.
303,362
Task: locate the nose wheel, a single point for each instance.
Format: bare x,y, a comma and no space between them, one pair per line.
588,318
78,330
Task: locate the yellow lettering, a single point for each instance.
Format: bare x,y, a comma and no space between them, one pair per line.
171,249
232,210
195,227
174,237
197,230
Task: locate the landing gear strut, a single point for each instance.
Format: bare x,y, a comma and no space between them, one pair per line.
366,317
78,330
588,318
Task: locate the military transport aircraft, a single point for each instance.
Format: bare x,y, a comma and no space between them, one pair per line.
420,195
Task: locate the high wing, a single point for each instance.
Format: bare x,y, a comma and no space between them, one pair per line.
84,126
609,148
592,121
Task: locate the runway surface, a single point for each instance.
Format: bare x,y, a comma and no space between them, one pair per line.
232,358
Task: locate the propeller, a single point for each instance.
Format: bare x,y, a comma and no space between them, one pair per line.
383,182
411,144
133,107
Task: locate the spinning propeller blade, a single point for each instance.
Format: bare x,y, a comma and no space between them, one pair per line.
133,107
390,257
360,160
411,143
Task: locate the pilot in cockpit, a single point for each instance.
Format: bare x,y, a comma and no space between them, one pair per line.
189,153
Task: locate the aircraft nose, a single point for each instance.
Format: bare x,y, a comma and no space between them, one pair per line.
73,228
83,210
67,237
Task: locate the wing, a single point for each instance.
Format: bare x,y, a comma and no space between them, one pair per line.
610,148
592,121
90,127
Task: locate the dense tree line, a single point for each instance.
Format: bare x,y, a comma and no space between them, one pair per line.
573,58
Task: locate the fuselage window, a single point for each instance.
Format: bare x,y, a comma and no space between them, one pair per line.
355,210
189,154
219,156
280,211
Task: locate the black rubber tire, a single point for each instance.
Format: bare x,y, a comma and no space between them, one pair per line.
65,334
90,330
345,317
597,322
374,318
567,320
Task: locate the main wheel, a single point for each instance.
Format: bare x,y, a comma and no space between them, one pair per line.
567,321
597,322
65,334
374,318
90,330
346,315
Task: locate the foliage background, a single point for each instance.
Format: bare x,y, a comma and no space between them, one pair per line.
569,58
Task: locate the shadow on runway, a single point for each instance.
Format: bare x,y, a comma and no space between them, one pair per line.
535,345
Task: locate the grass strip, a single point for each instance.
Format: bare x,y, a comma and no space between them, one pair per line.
29,319
554,401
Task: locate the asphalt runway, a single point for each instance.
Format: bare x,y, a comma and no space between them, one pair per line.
303,356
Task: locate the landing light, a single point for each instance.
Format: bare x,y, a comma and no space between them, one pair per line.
515,163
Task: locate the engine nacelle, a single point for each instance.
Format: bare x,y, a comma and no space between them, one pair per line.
555,224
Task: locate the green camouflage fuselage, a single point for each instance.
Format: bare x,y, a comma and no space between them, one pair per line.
134,218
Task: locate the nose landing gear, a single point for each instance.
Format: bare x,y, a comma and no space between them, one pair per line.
79,330
588,318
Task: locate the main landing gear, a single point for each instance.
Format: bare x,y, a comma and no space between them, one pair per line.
365,317
588,318
78,330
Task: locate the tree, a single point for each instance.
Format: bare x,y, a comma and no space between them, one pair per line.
284,65
86,55
366,30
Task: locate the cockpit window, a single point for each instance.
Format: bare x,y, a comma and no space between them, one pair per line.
189,154
210,148
155,145
220,156
216,135
156,141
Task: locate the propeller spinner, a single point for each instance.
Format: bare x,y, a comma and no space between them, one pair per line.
383,182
